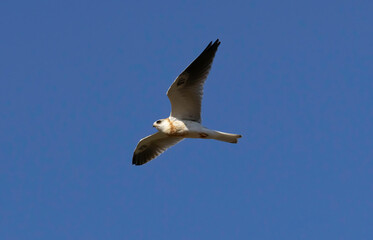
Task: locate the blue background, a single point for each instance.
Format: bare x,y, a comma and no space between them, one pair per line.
83,81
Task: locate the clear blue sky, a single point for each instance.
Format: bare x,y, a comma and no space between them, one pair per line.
83,81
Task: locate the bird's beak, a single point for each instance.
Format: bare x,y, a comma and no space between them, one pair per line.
153,125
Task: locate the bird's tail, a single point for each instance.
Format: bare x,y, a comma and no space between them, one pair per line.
226,137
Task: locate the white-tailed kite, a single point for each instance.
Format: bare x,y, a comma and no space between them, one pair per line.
185,95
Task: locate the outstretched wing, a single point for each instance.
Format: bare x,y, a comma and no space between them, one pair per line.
186,91
152,146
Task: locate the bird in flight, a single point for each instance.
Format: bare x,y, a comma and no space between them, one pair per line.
185,95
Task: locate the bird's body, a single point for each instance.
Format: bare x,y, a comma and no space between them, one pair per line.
174,127
185,95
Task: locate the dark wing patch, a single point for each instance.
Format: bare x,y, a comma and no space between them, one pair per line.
152,146
181,80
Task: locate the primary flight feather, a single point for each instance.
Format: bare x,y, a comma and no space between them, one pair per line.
185,95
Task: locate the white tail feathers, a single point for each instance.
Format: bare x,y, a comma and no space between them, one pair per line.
226,137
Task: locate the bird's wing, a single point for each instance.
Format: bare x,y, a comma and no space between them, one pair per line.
152,146
186,91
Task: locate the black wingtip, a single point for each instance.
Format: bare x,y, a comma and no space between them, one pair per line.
215,44
136,161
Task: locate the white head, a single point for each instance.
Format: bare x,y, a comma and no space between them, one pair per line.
162,125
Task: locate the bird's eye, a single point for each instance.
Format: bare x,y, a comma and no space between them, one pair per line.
158,122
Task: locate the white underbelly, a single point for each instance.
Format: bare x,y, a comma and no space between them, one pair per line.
196,130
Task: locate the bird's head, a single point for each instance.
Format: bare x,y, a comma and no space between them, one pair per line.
161,125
